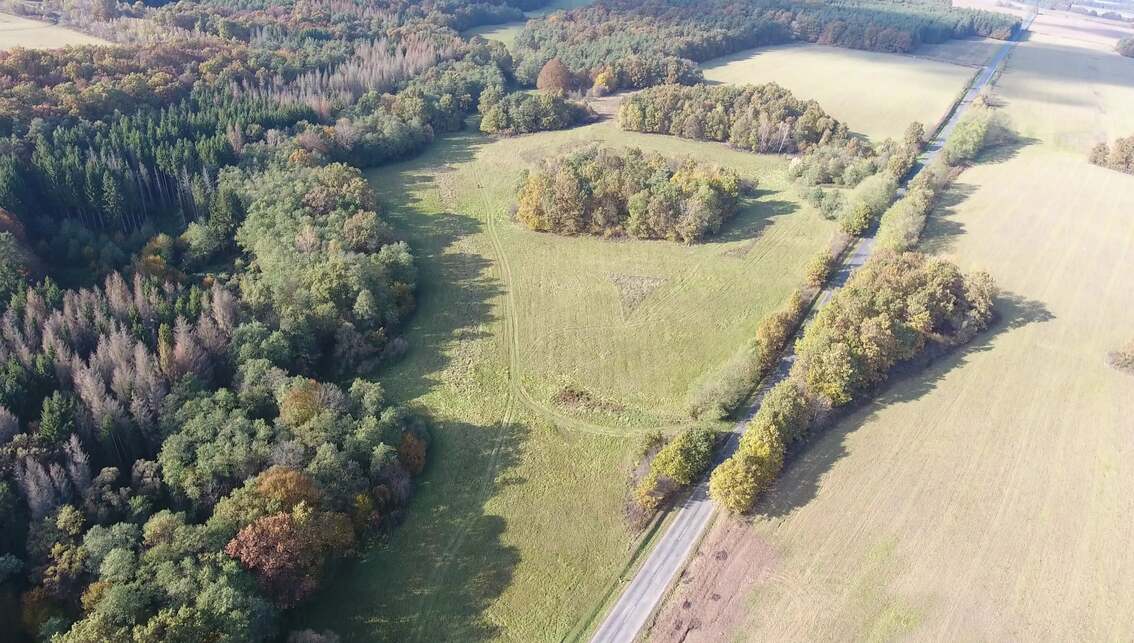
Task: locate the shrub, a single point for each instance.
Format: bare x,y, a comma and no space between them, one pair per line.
1125,47
785,409
675,466
1116,156
819,268
720,393
738,481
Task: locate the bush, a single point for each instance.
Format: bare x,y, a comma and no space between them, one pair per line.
785,409
738,481
719,394
819,268
969,137
1116,156
675,466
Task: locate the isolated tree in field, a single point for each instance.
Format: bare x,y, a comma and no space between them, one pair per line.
554,77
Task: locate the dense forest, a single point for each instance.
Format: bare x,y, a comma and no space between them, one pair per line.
197,287
609,192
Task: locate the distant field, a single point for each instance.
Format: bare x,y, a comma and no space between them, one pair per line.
876,94
518,530
988,497
506,32
21,32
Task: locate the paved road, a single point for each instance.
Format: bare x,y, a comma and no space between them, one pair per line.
644,594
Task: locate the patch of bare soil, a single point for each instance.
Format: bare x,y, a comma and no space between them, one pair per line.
633,289
732,556
1122,359
580,399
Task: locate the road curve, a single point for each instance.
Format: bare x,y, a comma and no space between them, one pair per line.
644,594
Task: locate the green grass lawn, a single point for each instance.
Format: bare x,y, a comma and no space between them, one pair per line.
516,531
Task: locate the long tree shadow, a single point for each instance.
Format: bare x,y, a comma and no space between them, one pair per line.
456,286
433,577
443,584
757,212
806,464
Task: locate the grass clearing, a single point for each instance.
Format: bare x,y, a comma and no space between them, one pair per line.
987,497
517,529
896,90
506,32
22,32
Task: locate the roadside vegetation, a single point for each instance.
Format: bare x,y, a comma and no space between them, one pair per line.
895,308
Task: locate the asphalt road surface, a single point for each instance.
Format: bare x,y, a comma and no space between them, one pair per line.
643,595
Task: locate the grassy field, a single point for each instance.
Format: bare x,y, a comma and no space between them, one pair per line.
21,32
506,32
876,94
988,497
517,529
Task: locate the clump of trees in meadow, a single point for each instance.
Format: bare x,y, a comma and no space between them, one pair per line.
894,308
1118,155
761,118
901,224
665,35
609,192
524,113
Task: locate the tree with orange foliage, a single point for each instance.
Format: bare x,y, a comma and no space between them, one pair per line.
287,551
555,77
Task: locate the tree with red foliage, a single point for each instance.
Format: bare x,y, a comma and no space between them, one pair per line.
286,552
